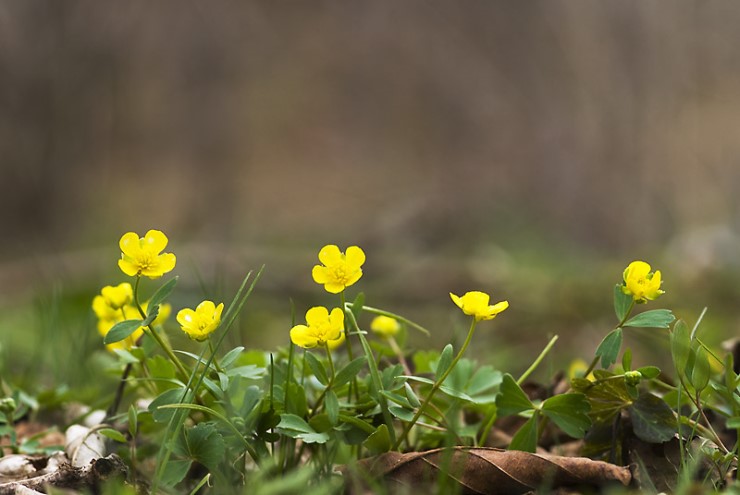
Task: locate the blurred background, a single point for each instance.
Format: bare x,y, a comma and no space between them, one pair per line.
527,149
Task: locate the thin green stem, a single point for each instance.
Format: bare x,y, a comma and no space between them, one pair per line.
158,338
437,384
350,354
537,361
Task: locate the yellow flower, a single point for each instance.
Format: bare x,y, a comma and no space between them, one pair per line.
109,309
118,296
199,323
385,326
640,283
339,270
475,304
334,344
322,328
141,256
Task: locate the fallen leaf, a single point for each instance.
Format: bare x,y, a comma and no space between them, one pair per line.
491,471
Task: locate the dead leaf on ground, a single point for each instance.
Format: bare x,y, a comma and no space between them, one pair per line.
491,471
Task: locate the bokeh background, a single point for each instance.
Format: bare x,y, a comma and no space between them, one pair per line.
528,149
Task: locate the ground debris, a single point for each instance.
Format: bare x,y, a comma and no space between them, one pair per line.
489,471
56,471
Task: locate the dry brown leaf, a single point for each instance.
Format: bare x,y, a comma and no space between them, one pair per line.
492,471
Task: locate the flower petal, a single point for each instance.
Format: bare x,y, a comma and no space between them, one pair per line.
206,309
301,336
456,300
355,257
155,241
334,287
317,316
354,278
499,307
330,255
319,274
129,244
128,267
336,318
186,317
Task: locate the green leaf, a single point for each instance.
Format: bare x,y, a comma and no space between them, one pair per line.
649,372
609,348
401,413
114,435
295,427
171,396
655,318
332,406
379,441
349,371
627,359
411,396
680,346
445,360
607,397
295,423
175,471
230,356
162,293
652,419
443,388
153,312
569,412
317,368
526,438
357,305
133,418
203,443
121,330
622,302
512,399
733,422
699,377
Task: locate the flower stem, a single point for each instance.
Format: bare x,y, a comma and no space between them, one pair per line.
158,338
437,384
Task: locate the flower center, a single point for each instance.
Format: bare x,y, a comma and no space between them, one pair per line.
340,273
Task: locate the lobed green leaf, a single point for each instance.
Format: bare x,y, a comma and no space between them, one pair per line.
512,399
569,412
655,318
609,348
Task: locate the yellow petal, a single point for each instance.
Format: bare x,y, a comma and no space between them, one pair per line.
129,244
355,256
330,255
319,274
336,318
456,300
186,317
301,336
127,267
206,309
334,287
499,307
155,241
317,316
354,278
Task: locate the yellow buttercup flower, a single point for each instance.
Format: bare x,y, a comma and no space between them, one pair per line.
640,283
475,304
114,305
385,326
118,296
338,270
202,321
322,328
141,256
335,344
